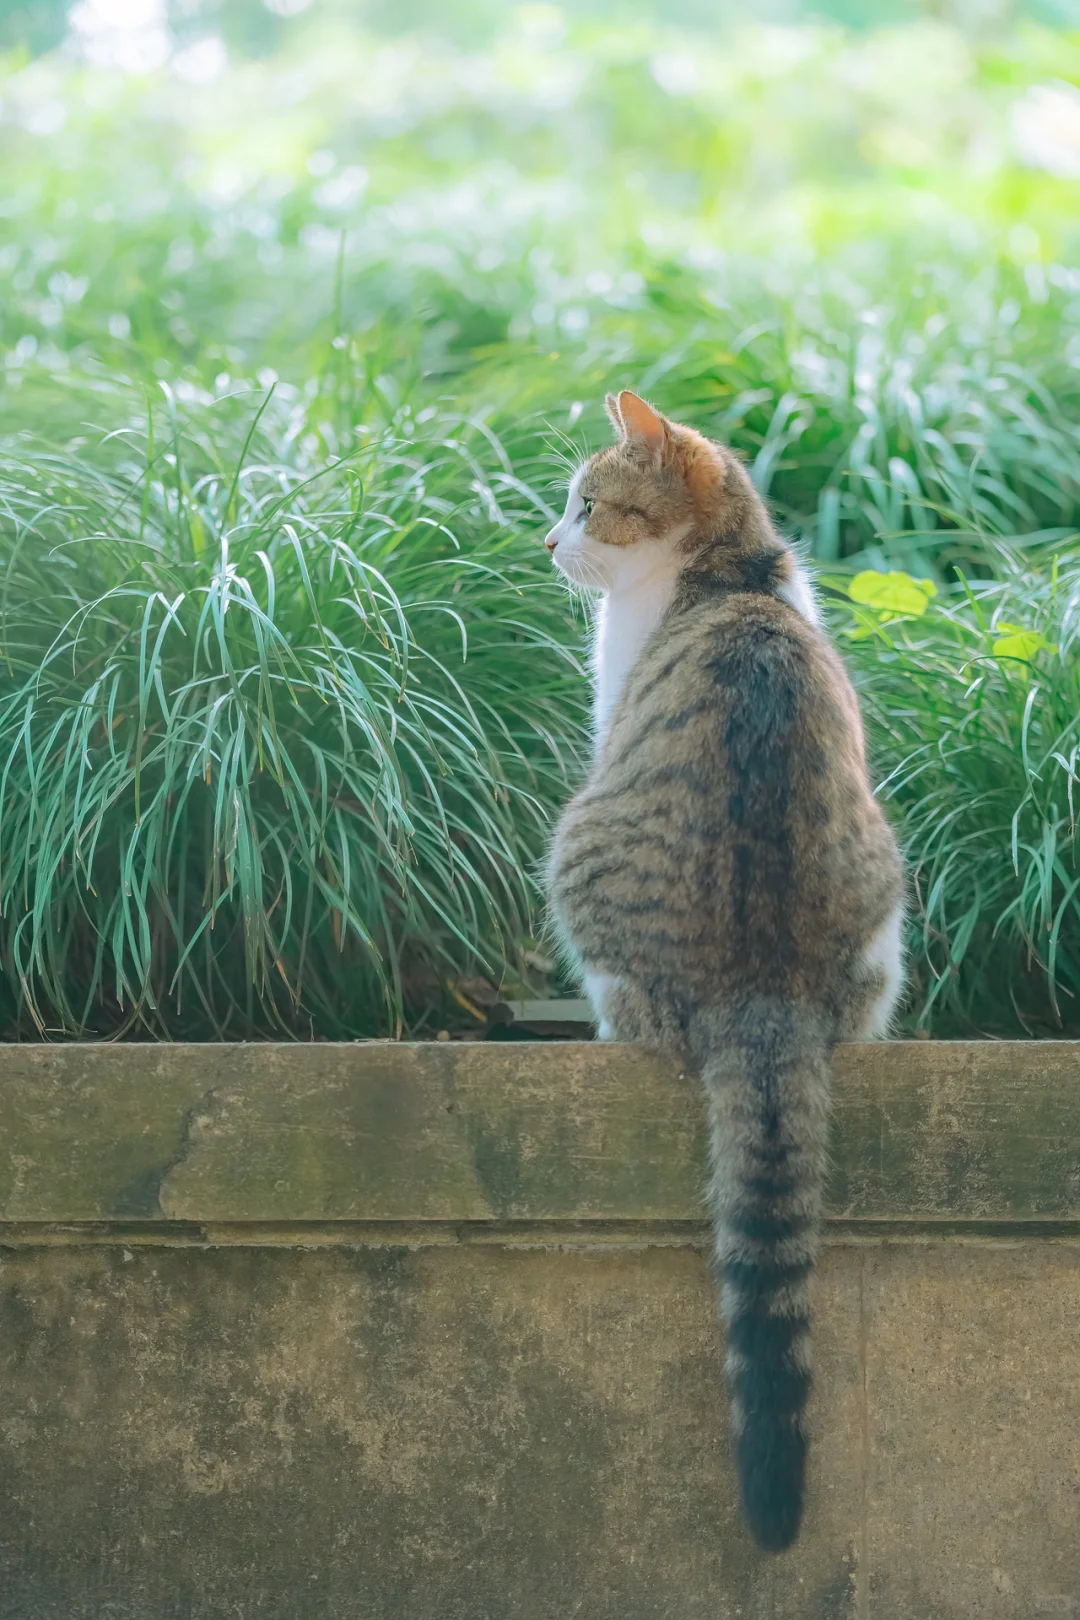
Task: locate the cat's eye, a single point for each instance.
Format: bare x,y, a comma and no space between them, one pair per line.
588,507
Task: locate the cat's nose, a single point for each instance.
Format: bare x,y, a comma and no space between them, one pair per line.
551,541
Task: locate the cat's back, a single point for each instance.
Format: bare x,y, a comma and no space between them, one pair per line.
742,685
730,800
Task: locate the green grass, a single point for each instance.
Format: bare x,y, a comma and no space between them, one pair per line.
275,754
973,709
288,699
944,412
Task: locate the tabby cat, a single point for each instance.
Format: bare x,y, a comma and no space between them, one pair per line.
725,880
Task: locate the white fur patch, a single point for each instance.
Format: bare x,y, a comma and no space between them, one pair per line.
625,620
799,594
636,584
597,988
885,954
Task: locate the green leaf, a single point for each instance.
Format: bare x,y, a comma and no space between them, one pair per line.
893,595
1021,644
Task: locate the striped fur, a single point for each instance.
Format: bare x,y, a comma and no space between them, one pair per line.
725,879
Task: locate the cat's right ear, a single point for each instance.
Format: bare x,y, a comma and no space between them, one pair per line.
611,405
644,429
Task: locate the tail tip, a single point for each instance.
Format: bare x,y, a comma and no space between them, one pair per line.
776,1528
772,1488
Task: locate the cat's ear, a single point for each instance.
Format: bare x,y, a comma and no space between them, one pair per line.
644,427
611,405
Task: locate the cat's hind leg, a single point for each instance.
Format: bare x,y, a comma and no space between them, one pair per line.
602,990
627,1011
880,984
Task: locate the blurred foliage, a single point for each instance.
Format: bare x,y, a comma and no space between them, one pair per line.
842,239
523,184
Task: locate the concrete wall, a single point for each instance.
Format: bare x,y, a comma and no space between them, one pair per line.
428,1333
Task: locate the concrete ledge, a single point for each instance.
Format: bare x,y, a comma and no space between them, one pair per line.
428,1333
924,1132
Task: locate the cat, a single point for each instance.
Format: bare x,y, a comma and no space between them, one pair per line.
725,881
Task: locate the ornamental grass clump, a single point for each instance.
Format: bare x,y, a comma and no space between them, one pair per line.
972,700
277,749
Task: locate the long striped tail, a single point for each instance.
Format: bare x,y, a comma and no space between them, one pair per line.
766,1076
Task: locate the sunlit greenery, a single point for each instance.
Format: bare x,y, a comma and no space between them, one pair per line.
279,751
973,701
301,316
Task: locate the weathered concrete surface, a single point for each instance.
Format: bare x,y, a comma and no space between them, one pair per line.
378,1132
401,1334
972,1366
490,1434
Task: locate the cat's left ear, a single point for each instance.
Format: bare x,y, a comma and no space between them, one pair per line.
644,428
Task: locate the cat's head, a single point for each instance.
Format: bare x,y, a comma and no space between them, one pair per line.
652,497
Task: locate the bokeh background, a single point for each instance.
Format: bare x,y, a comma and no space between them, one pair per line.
306,309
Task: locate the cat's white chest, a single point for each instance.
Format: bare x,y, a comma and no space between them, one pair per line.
624,623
